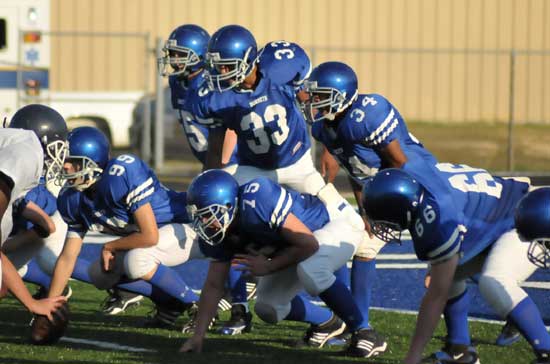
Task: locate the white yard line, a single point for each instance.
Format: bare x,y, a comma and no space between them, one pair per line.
106,345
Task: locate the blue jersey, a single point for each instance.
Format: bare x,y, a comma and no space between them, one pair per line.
108,206
464,210
358,160
40,196
294,68
271,129
374,122
263,209
196,132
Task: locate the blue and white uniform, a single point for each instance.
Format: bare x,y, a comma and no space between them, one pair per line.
262,211
196,132
127,184
467,211
369,124
49,248
272,135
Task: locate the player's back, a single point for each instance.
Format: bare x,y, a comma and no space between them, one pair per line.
129,183
466,201
284,63
264,206
374,122
21,162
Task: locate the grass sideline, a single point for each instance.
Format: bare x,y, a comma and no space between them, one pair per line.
266,344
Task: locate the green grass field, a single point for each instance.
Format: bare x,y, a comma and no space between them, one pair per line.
266,344
485,144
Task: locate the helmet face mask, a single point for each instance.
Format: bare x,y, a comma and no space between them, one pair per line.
184,51
212,199
332,88
387,231
212,222
56,152
80,172
323,102
228,73
177,60
539,252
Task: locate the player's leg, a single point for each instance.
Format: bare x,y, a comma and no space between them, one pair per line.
301,176
338,241
277,300
499,286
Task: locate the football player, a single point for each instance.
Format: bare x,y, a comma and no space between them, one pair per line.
291,241
37,150
183,63
461,220
123,197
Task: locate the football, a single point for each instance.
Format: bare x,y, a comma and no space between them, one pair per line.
45,332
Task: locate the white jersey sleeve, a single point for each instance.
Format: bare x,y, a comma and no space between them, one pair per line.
21,161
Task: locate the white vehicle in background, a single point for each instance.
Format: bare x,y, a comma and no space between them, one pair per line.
25,75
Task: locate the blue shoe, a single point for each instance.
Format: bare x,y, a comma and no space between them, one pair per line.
509,335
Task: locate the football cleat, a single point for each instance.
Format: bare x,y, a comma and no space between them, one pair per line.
189,326
543,357
240,321
339,340
317,335
509,335
165,316
250,290
456,354
366,343
119,301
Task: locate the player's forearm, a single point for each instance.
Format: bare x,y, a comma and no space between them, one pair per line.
292,256
228,146
208,306
431,308
215,146
63,269
133,241
356,188
15,284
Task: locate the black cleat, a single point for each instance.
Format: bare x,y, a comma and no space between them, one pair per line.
317,335
189,326
119,301
366,343
240,321
456,354
509,335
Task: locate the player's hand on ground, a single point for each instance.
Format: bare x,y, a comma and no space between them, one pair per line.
256,264
47,306
192,345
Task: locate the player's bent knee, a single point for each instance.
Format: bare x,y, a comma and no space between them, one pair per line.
101,279
502,295
314,278
138,265
267,313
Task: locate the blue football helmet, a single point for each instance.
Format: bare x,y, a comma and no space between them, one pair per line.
390,200
51,130
184,51
533,224
231,56
332,87
212,199
89,154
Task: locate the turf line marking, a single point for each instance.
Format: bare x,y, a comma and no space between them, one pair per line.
106,345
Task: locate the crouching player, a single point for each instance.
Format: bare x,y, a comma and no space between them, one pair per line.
298,241
123,197
461,219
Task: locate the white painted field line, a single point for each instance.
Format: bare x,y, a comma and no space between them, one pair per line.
106,345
